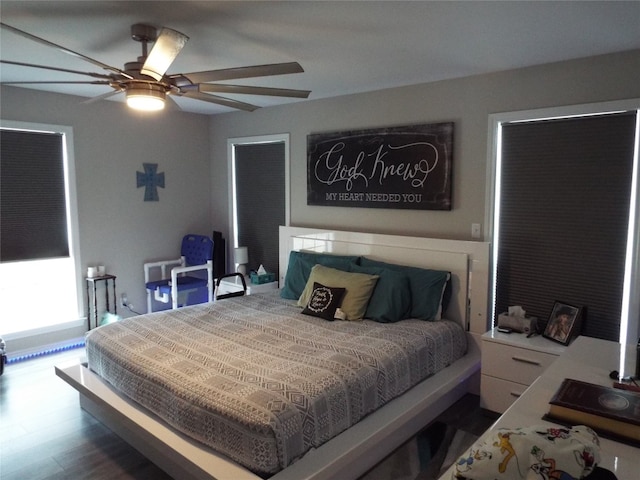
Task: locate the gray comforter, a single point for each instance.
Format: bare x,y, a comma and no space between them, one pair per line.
258,381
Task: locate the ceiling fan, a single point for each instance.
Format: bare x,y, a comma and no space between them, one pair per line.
146,82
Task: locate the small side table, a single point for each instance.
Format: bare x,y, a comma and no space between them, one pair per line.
92,282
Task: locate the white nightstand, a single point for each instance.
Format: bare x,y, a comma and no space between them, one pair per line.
261,288
510,363
233,284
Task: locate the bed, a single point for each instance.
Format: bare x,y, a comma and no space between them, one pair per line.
354,444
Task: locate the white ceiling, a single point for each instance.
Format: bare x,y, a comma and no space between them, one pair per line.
344,47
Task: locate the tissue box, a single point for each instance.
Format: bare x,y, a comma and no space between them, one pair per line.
518,324
264,278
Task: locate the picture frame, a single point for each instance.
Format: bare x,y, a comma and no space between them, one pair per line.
396,167
564,323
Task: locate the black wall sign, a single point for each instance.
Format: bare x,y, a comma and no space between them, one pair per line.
397,167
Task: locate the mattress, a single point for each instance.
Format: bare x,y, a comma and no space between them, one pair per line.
258,381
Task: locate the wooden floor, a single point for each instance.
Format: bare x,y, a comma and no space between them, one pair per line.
46,435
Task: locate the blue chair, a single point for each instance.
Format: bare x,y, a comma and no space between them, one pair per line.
196,255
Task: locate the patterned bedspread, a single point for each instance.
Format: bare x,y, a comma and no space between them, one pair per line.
258,381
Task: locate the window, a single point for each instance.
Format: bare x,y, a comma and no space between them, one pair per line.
38,234
259,189
565,220
33,220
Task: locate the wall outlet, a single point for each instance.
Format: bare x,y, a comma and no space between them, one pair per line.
124,301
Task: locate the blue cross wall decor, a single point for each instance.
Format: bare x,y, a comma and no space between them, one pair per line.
150,180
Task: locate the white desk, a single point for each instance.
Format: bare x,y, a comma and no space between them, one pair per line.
587,359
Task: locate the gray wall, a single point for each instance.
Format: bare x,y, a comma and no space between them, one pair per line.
466,101
117,228
121,231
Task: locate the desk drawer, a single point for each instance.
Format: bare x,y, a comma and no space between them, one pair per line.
497,394
519,365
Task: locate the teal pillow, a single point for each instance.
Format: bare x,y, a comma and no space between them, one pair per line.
427,288
391,299
299,269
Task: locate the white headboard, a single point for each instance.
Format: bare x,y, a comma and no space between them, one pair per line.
468,263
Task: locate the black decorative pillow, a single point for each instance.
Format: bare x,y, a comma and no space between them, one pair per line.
324,301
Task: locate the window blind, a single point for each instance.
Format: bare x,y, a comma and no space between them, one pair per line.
564,214
33,214
260,201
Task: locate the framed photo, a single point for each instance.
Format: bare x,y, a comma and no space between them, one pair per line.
564,323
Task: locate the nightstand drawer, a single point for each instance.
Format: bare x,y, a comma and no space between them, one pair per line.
519,365
497,394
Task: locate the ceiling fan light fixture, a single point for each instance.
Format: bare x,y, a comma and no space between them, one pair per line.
148,97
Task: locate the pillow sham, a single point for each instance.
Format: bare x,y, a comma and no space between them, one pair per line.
427,287
324,301
391,298
359,287
299,269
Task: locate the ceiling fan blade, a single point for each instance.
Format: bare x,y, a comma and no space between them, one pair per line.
165,50
249,90
64,49
57,69
239,72
63,82
227,102
103,96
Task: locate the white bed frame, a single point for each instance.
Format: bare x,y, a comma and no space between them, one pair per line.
358,449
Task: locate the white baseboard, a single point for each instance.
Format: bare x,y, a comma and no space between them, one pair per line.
43,342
